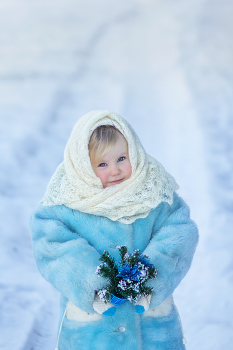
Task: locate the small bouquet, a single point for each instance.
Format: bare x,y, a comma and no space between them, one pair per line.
127,280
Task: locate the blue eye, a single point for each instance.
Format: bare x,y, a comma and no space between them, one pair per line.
120,159
102,164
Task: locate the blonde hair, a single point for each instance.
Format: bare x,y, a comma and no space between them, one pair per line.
102,140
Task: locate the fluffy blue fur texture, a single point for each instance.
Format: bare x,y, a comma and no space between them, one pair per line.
67,245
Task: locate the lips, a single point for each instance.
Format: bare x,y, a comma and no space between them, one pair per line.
116,181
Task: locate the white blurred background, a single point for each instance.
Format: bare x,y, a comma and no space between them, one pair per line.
164,65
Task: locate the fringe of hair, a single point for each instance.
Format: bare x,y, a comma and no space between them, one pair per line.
102,141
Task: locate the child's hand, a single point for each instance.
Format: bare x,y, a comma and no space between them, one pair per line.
142,304
103,308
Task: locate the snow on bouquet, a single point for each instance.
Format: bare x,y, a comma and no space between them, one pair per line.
127,280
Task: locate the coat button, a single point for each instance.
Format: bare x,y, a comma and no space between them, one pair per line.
121,329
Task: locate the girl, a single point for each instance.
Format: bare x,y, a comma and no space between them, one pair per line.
109,192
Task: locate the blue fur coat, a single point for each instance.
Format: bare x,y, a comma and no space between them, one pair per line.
67,245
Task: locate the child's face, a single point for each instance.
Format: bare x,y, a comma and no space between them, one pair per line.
114,166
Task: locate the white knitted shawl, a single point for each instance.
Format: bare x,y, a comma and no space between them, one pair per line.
75,184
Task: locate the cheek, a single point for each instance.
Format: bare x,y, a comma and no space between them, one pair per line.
128,170
102,175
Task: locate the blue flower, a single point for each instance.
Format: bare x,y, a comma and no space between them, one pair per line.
128,272
145,261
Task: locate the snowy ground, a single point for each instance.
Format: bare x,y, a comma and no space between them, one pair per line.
164,65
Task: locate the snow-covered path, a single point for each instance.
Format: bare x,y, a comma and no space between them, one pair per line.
166,67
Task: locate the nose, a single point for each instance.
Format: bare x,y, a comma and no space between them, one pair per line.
115,170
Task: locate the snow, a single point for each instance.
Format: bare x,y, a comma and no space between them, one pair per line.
166,67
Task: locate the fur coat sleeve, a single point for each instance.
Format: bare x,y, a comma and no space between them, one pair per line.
171,248
64,258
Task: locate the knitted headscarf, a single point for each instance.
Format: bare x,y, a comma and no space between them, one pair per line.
75,184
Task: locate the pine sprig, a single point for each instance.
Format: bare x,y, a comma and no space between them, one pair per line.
127,279
123,254
106,258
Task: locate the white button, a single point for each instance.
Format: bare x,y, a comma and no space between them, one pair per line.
121,329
